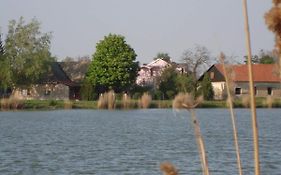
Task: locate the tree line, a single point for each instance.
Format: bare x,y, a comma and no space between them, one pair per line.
25,58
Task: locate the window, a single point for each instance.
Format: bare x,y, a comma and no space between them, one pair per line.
269,91
212,75
255,90
238,91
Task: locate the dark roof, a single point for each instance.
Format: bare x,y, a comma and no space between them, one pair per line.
75,70
56,75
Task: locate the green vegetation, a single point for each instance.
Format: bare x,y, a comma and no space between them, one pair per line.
163,56
27,52
119,104
206,88
113,66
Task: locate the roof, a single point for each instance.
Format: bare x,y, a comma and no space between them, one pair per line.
56,74
75,70
261,72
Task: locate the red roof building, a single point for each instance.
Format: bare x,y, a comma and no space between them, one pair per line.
266,80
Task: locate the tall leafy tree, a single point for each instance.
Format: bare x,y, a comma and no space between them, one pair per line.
164,56
5,71
167,82
206,88
27,51
113,65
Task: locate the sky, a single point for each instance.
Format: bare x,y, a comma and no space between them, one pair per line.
149,26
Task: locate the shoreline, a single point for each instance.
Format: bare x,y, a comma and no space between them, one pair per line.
133,104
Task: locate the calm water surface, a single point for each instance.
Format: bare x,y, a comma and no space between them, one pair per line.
132,142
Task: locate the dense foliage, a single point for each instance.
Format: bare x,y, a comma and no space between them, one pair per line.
206,88
113,65
27,51
5,73
163,56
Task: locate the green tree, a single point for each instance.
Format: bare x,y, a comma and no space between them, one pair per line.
167,82
163,56
113,65
206,88
27,51
184,83
5,71
262,58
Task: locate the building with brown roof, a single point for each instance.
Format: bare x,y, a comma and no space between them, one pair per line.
265,76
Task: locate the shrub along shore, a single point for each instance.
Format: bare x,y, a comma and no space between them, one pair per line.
119,104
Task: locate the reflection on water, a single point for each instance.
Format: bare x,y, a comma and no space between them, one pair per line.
132,142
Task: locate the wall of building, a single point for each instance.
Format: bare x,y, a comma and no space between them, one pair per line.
219,90
43,92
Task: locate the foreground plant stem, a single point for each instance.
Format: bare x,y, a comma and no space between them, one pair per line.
251,87
233,118
200,142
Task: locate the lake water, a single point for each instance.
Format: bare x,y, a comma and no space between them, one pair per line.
133,142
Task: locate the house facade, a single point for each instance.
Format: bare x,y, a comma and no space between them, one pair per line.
62,82
266,80
149,73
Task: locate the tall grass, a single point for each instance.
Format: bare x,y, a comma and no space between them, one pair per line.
145,100
126,101
107,100
252,95
11,103
187,101
229,86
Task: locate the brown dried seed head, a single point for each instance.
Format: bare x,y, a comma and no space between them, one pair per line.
276,2
273,20
168,168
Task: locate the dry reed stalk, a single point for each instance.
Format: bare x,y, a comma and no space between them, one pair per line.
145,101
168,169
269,101
187,101
227,75
245,99
67,104
252,95
5,104
126,101
111,100
102,102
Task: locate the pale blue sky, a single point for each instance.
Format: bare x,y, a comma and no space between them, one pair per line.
150,26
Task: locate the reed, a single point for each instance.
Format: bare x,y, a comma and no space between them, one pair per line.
111,99
252,95
187,101
102,101
126,101
145,101
168,169
269,101
67,104
5,104
229,85
245,99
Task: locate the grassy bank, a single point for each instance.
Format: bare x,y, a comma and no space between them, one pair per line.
134,104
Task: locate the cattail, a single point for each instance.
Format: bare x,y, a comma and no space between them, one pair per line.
269,101
168,169
145,101
187,101
111,100
67,104
229,85
126,101
102,102
245,101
